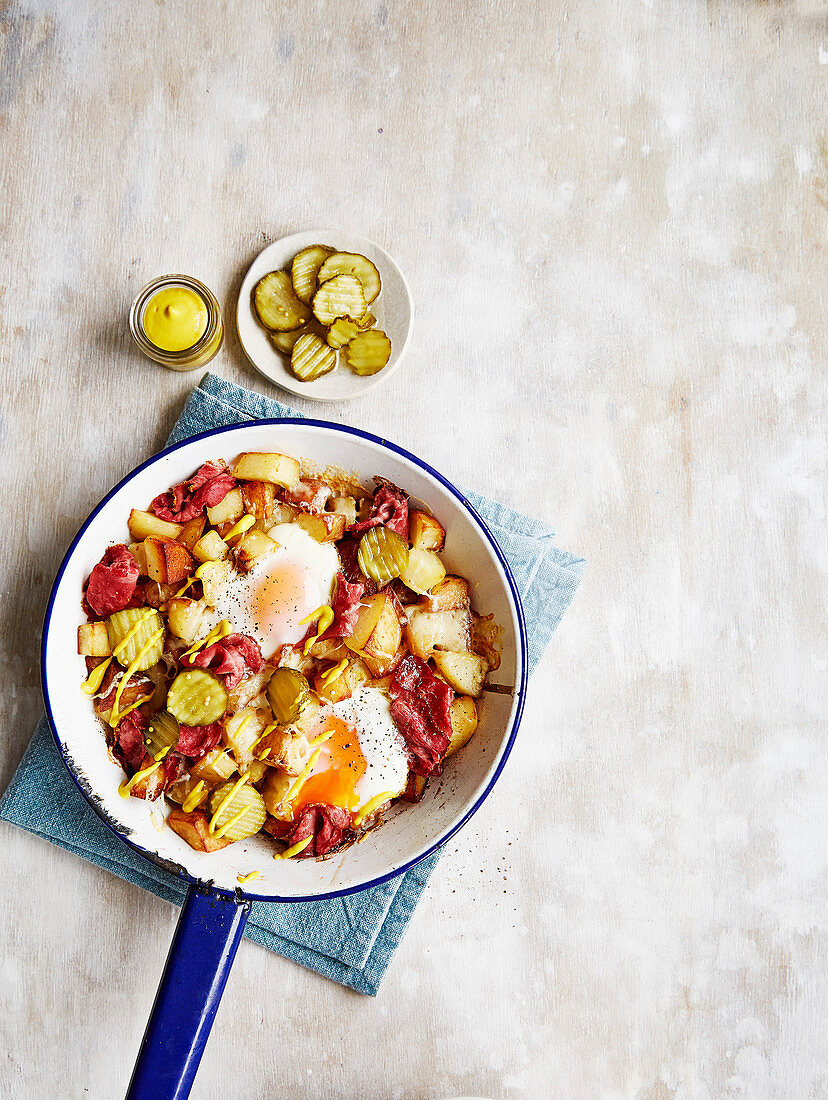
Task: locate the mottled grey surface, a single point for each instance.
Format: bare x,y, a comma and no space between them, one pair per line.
613,220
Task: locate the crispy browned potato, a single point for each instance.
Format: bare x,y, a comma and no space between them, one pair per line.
150,786
427,631
93,640
168,562
227,510
193,827
377,633
326,527
259,499
252,546
288,750
425,532
452,593
192,531
353,676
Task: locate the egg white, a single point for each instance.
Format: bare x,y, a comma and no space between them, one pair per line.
369,713
281,589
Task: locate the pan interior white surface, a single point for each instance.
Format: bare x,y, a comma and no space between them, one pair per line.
410,831
392,309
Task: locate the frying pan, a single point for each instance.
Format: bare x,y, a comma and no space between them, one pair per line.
216,907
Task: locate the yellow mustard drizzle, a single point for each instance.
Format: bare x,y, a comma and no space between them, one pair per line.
125,789
321,738
191,580
332,673
372,805
242,879
211,828
239,528
245,722
216,634
325,616
115,716
95,678
193,799
264,754
294,849
160,755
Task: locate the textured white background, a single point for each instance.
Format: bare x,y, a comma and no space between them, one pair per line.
613,219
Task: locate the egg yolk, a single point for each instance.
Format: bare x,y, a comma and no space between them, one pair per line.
340,767
280,600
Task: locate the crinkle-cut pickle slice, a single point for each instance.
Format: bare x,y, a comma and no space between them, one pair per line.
276,304
305,267
162,732
287,693
311,358
197,698
285,342
138,624
341,296
341,331
352,263
382,554
368,352
245,798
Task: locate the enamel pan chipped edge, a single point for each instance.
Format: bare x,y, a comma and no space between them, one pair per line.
213,917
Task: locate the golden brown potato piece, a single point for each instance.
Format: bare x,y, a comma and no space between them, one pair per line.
150,786
192,531
464,722
266,466
211,547
465,672
189,619
377,633
137,551
353,676
144,525
288,750
193,827
227,510
276,785
428,631
93,640
168,562
259,499
326,527
425,532
251,547
216,766
450,594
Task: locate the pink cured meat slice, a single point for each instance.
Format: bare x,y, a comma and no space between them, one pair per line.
208,487
112,582
232,658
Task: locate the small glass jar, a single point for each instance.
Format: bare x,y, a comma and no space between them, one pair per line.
203,350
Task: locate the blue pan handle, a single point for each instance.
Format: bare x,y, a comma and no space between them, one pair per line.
202,951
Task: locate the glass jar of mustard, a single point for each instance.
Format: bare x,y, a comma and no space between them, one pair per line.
176,320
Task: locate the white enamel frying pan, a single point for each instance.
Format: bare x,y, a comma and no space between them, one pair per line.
216,908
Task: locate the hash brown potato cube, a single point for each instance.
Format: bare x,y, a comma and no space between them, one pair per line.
428,631
465,672
227,510
216,766
144,525
425,532
377,631
251,546
192,531
449,595
93,640
464,722
259,500
211,547
194,828
289,749
325,527
267,466
168,562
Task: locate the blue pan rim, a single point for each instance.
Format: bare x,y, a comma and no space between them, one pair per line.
520,688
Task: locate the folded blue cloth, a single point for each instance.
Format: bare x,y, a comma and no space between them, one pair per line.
351,939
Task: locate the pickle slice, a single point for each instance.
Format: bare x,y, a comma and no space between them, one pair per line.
341,331
276,304
351,263
134,627
287,693
368,352
286,341
368,320
245,798
382,554
305,267
341,296
197,698
162,732
311,358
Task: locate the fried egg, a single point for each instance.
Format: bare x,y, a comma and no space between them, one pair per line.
281,589
364,757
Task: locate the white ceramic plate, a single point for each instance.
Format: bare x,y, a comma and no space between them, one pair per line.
392,310
411,832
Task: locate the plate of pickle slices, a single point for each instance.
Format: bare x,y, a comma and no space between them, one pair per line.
324,314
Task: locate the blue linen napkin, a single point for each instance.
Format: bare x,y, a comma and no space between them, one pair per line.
351,939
